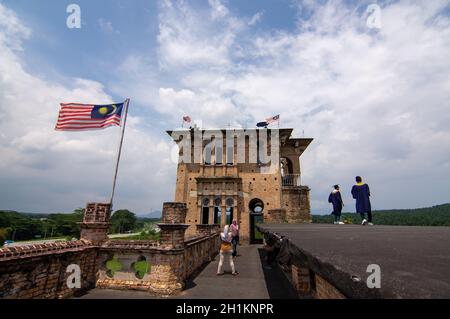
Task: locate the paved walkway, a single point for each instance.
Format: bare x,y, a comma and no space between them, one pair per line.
414,261
254,281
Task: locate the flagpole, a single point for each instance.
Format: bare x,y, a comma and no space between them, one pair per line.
127,102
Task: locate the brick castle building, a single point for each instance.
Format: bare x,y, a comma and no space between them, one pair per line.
223,174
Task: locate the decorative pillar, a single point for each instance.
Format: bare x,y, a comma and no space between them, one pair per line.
96,223
211,211
173,225
223,217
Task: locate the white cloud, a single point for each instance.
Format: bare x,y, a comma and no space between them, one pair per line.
44,170
218,10
256,18
13,31
376,102
190,37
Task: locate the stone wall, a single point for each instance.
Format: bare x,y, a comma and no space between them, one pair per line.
168,263
277,216
296,202
40,271
325,290
202,249
168,268
164,273
307,275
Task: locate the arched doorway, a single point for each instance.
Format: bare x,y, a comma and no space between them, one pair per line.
256,207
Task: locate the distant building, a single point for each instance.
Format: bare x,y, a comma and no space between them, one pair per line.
225,173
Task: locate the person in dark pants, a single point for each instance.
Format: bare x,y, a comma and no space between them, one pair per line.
361,193
235,236
336,199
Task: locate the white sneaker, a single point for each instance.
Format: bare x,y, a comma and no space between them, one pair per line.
364,222
370,224
341,223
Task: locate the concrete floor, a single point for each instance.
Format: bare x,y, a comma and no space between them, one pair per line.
255,281
414,261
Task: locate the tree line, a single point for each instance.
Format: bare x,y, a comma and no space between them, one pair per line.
27,226
431,216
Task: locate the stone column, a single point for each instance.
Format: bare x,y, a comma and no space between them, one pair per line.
173,225
223,217
211,211
96,223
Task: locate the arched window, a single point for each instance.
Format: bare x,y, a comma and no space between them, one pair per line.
256,206
230,203
217,210
286,166
205,211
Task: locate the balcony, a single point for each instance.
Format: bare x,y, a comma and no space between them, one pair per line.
290,180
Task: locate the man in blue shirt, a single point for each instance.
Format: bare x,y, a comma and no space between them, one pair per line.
361,193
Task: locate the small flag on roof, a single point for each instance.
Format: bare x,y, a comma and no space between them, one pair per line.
273,119
268,121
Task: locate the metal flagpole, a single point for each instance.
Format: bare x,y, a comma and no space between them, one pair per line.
127,102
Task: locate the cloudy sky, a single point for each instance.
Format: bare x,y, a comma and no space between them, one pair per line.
376,100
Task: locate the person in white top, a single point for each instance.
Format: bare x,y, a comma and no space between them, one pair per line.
226,250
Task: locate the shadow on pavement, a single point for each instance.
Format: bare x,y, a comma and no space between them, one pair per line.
278,286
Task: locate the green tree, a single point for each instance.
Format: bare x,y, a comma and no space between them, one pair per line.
4,233
122,221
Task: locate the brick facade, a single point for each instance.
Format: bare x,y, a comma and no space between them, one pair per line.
325,290
222,185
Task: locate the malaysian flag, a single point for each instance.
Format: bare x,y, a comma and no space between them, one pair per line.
273,119
77,117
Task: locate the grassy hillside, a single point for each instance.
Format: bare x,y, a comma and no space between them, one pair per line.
430,216
28,226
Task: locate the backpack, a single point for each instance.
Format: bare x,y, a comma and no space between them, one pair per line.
225,247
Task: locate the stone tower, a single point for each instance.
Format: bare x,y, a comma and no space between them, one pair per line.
252,175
